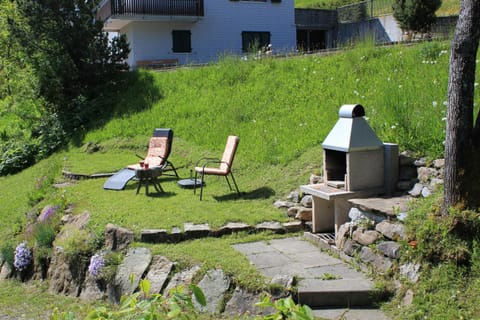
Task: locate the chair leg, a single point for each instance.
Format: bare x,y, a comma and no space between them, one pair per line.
173,168
228,182
195,183
234,182
201,186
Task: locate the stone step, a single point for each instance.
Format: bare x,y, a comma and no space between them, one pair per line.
344,293
350,314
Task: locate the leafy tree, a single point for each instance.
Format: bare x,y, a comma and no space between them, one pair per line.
415,15
71,55
462,144
56,66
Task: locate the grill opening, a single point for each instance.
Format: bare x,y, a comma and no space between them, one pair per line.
335,165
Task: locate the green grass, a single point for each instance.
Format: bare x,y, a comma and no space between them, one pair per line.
282,109
448,7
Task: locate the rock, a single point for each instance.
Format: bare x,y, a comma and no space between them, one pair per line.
214,286
231,227
279,204
408,298
439,163
282,284
314,179
379,263
350,247
92,290
292,212
294,196
65,277
410,271
183,278
117,238
365,237
176,235
359,216
79,221
392,231
5,271
134,265
195,231
422,162
293,226
306,201
284,280
272,226
304,214
426,192
390,249
425,174
342,235
434,183
47,213
158,273
154,235
242,303
416,191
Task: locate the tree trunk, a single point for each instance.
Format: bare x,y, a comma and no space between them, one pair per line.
461,145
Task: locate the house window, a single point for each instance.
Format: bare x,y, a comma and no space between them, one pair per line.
255,40
181,41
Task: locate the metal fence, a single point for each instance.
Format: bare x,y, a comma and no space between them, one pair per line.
364,10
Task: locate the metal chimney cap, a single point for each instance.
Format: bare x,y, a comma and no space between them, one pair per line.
351,111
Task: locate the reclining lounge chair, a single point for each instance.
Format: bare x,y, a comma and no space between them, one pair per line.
159,149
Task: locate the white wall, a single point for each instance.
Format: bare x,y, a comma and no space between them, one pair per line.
217,33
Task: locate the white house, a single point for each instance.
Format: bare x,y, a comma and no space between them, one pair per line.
199,31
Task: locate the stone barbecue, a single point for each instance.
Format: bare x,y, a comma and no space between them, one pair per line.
356,164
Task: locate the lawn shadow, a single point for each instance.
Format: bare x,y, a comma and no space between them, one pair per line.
133,92
260,193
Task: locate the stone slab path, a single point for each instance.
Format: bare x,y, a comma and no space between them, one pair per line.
347,294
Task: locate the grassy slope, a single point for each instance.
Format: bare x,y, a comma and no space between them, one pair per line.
281,109
449,7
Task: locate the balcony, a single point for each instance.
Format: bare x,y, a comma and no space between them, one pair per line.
118,13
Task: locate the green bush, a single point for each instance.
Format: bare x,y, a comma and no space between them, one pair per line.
416,15
77,244
7,251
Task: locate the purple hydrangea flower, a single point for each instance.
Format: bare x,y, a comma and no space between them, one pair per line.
97,262
23,257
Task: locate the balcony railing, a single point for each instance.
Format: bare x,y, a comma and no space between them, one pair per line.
108,8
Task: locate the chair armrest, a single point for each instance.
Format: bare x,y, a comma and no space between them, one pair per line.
206,161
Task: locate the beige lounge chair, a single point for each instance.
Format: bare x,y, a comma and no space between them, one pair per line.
224,168
159,149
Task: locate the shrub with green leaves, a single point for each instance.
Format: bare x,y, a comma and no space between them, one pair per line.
416,15
7,251
77,243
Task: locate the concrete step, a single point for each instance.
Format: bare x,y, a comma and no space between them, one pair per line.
344,293
350,314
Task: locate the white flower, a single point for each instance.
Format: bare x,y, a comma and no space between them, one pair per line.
434,103
445,103
444,119
357,80
393,127
399,86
